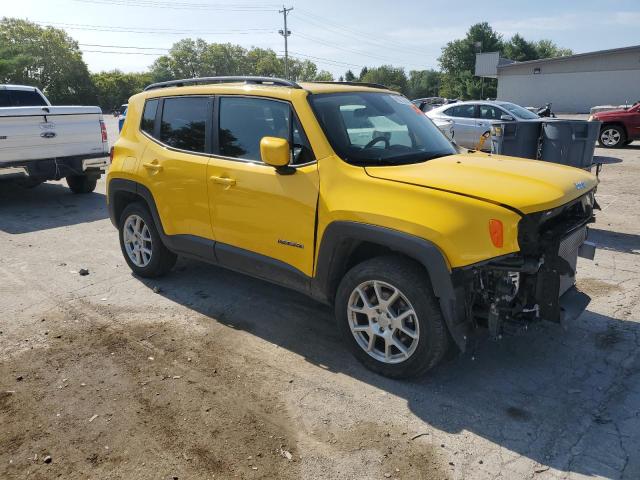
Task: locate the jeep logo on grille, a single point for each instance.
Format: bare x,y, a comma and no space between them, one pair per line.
580,185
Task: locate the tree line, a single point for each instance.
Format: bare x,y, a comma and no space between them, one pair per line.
50,59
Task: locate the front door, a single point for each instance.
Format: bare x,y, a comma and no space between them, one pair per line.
174,164
263,221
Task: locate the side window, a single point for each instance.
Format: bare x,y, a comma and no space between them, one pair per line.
5,99
148,121
27,98
489,112
243,122
184,121
461,111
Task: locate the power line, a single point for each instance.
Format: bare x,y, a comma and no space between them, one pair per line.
153,31
182,6
337,63
345,49
122,53
124,46
345,30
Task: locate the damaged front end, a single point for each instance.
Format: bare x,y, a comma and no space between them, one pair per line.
538,283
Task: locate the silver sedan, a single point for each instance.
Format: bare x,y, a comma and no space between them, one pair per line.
471,120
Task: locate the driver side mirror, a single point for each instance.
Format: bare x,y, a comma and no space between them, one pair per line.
275,151
506,118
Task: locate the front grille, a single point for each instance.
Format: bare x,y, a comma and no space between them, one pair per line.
537,231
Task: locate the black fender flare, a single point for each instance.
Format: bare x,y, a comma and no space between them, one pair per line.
336,244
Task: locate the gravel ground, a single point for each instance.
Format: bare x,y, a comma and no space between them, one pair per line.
209,374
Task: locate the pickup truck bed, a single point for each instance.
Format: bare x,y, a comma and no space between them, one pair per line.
44,142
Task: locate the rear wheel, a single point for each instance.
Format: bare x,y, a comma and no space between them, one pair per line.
390,318
82,183
612,136
141,245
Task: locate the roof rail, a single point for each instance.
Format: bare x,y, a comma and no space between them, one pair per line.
356,84
208,80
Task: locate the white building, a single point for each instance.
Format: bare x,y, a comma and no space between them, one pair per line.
573,84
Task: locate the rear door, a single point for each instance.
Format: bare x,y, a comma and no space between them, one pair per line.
174,162
464,124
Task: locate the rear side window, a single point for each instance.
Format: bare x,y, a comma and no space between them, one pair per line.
21,98
27,98
184,121
5,99
462,111
148,121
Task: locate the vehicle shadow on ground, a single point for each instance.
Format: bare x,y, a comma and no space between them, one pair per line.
50,205
606,160
615,241
530,395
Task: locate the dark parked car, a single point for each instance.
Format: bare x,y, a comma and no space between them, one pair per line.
619,127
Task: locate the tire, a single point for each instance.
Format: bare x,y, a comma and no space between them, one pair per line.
81,183
384,274
612,136
160,259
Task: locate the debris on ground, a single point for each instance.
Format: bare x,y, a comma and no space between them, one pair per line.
83,272
93,418
286,454
47,459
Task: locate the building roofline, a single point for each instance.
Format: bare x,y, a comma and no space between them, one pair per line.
570,57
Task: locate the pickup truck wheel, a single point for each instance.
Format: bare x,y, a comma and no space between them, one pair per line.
390,318
612,136
81,183
141,245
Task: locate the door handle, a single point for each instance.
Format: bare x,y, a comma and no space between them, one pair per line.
153,166
229,182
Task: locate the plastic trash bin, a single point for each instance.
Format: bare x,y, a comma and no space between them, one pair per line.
569,142
516,139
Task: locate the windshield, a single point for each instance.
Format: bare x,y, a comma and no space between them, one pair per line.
519,112
367,128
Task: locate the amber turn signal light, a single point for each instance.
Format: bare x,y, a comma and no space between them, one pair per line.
496,232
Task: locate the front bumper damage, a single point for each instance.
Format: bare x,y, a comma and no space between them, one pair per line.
507,294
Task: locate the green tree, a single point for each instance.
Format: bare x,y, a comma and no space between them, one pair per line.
548,49
387,75
349,76
196,58
115,87
458,60
423,83
46,58
519,49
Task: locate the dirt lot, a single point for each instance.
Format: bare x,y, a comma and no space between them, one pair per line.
208,374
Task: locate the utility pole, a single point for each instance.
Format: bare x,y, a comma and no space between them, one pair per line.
285,33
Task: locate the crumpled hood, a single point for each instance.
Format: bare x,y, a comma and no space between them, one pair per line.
526,185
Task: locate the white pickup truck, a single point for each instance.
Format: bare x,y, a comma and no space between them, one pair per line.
40,142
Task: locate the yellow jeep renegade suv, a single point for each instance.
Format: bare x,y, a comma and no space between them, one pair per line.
350,194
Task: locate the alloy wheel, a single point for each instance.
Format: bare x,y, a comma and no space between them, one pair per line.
137,241
610,137
383,321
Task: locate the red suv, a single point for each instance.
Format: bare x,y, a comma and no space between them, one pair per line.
619,127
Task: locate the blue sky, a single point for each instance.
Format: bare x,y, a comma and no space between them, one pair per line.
337,35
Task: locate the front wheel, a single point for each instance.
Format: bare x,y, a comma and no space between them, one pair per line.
81,183
390,318
141,244
612,136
